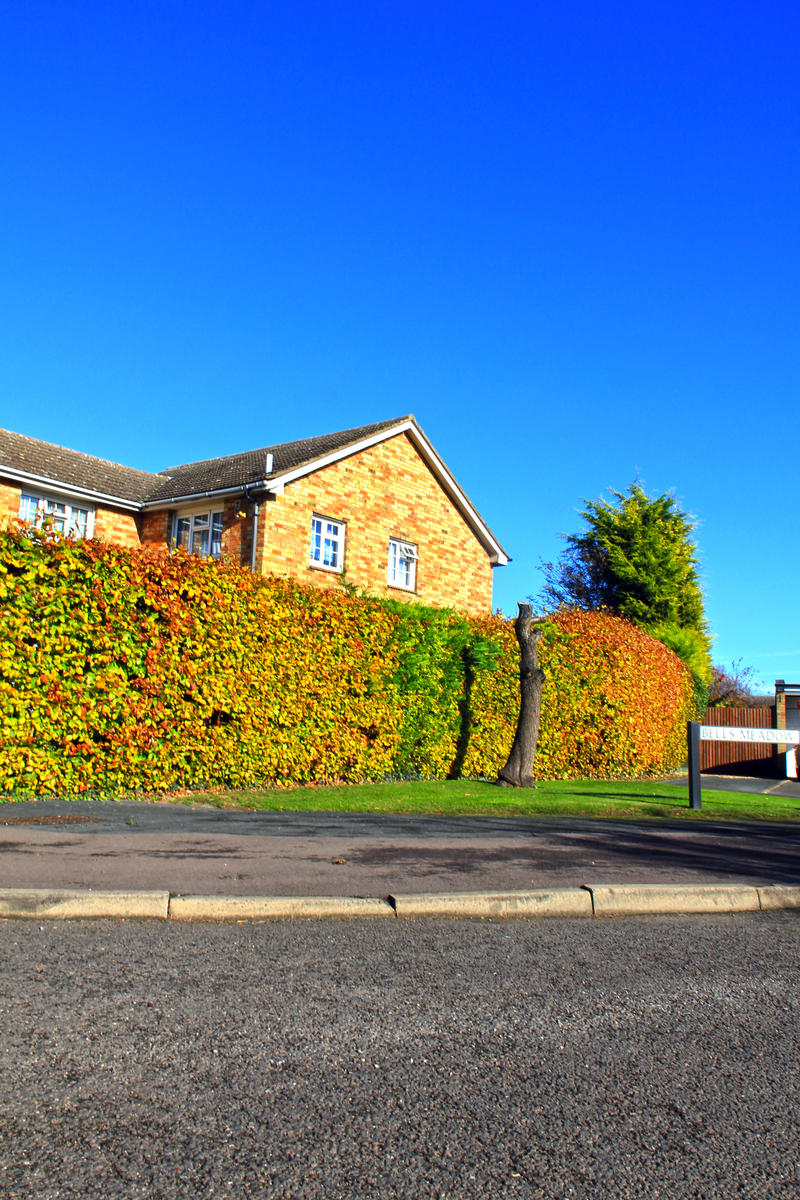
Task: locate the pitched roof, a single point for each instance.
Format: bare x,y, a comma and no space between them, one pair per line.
42,461
32,461
238,470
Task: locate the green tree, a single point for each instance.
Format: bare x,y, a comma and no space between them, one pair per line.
637,559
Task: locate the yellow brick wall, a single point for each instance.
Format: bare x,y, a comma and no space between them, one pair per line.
382,492
120,528
9,504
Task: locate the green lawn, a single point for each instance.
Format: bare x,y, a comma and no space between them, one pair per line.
595,798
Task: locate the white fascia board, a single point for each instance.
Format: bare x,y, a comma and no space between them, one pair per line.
191,497
326,460
69,490
497,555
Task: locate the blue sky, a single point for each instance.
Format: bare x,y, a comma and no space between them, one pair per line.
564,236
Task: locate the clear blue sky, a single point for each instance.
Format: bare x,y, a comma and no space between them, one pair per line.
564,236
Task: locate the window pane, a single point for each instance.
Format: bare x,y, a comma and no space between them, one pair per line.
402,564
27,509
216,534
78,521
182,527
330,555
57,515
327,543
316,540
200,542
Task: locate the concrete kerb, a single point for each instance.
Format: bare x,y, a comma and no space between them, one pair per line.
616,900
599,900
543,902
273,908
778,895
47,903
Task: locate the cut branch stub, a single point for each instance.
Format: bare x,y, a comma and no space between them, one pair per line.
518,771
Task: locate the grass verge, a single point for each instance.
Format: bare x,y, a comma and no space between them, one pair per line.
591,798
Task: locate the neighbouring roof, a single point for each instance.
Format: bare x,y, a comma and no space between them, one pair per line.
239,470
27,457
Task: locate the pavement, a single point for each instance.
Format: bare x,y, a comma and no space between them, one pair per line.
88,858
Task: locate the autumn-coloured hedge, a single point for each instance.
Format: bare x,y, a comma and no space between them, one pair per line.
126,671
617,700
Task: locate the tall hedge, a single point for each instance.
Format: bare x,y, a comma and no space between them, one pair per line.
130,671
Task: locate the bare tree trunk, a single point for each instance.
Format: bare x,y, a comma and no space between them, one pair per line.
518,771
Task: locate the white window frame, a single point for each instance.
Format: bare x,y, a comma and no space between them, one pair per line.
200,521
45,503
401,570
327,541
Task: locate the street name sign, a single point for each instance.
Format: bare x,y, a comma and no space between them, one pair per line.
732,733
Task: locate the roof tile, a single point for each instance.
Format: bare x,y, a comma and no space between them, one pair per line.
71,468
239,470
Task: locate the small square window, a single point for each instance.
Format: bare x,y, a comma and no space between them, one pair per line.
327,544
402,572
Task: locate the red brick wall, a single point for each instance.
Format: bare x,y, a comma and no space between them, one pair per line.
382,492
156,527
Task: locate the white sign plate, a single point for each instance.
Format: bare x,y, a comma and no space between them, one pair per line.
731,733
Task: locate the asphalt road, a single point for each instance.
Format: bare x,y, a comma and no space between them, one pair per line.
617,1060
75,844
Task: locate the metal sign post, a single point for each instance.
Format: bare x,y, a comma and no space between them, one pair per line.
693,743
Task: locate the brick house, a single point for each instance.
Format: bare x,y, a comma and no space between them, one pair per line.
374,506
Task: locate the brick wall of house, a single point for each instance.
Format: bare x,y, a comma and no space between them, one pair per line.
382,492
154,529
111,525
9,503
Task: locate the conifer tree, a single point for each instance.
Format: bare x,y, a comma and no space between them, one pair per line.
637,559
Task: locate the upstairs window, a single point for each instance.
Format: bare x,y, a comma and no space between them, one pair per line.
51,513
199,533
402,571
327,544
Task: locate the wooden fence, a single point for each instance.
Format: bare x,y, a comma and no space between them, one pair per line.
740,758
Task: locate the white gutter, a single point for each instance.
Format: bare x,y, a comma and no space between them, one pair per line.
171,501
